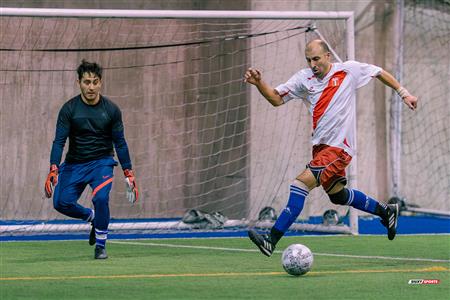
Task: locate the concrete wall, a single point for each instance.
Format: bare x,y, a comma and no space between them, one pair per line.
186,124
188,142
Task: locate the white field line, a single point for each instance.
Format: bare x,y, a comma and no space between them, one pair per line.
279,251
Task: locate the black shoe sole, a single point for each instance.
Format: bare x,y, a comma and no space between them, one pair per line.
393,231
258,241
92,236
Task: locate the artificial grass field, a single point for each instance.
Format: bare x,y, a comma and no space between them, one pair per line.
228,268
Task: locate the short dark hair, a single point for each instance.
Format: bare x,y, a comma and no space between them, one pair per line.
89,67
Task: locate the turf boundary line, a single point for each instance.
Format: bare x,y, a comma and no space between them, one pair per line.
158,276
279,251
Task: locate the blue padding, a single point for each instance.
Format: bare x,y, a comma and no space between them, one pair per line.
407,225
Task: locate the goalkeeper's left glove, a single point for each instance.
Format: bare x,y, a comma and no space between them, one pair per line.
51,181
131,187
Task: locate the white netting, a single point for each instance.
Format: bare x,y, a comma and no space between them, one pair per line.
198,135
425,156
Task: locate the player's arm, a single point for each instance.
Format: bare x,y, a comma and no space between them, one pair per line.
123,154
389,80
61,134
121,146
253,76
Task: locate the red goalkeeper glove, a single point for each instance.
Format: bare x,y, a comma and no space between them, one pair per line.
52,180
131,187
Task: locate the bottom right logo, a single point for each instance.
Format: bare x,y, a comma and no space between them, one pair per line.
424,281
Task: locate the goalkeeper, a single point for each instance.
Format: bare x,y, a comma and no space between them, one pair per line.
93,124
329,91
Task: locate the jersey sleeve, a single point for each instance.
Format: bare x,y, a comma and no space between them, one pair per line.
61,134
291,89
362,72
64,116
121,146
118,136
116,116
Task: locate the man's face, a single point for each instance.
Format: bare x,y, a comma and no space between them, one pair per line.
318,60
90,86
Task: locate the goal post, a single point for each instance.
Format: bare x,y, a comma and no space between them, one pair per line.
198,135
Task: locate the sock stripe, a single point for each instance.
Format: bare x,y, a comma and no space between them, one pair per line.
101,234
304,193
351,195
361,201
100,243
293,187
101,237
298,191
292,210
297,188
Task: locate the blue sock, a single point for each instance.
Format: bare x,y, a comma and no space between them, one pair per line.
360,201
100,237
291,212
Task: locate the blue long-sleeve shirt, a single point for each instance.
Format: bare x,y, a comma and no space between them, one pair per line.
92,130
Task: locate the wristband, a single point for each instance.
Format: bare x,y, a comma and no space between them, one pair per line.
402,92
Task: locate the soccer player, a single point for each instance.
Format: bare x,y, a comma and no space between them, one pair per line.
329,91
93,124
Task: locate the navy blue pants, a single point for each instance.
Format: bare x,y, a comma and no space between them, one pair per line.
72,181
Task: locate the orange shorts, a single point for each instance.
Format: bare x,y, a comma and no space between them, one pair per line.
328,165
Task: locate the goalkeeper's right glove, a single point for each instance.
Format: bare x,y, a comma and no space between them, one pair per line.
52,180
131,187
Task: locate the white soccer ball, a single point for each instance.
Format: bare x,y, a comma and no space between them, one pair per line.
297,259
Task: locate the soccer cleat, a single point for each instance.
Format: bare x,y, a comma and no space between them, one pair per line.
100,253
391,220
92,236
263,242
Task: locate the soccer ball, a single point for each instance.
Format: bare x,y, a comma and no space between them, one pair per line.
297,259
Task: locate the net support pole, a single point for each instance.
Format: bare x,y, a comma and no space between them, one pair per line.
174,14
353,168
395,124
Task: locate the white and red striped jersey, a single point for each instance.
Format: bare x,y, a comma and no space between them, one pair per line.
331,100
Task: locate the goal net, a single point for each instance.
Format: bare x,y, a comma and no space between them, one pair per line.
200,138
424,160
